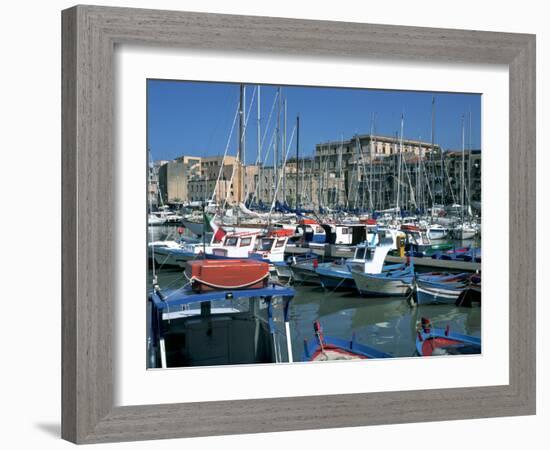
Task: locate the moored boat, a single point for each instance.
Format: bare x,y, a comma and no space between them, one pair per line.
375,279
326,348
194,327
437,232
432,341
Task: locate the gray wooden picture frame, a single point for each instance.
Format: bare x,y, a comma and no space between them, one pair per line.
90,34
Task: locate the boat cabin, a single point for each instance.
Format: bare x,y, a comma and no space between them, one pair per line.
345,234
219,327
237,245
272,248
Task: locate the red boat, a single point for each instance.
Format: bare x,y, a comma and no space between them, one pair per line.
223,274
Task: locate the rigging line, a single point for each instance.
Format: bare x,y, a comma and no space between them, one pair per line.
270,146
225,154
280,176
269,119
241,138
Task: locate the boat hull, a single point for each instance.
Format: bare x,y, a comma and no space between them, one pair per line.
380,286
305,274
339,278
435,295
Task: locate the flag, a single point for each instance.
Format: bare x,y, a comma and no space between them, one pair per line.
219,232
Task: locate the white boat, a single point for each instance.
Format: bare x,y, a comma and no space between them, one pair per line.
372,279
153,220
464,232
437,232
272,247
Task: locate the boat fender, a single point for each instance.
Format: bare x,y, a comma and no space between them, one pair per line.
447,329
180,230
315,263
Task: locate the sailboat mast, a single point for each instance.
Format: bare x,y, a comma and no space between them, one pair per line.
470,163
284,152
432,153
296,204
259,155
278,138
240,151
399,165
462,178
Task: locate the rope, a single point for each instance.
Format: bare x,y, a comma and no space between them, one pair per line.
216,286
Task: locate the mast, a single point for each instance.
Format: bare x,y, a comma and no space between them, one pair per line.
462,178
371,204
259,155
340,168
278,138
432,152
284,150
240,151
399,164
297,161
470,165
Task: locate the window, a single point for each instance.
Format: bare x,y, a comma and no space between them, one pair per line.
266,244
245,241
345,231
231,241
280,243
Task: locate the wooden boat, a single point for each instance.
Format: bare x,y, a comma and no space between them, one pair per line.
436,341
303,269
272,246
207,275
445,288
326,348
375,279
337,274
218,327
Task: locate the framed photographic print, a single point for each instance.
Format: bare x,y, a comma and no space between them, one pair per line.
265,229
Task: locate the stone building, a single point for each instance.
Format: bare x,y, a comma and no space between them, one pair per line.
364,172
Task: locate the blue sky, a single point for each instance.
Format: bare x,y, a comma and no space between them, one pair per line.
195,118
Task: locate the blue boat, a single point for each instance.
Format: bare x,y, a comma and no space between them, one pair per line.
335,275
326,348
432,341
220,327
444,289
462,254
368,257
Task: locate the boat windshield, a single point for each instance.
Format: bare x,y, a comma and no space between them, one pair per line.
266,244
231,241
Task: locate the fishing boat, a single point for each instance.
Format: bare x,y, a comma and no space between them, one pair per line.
443,288
203,325
459,254
303,269
310,233
337,274
272,247
327,348
374,280
437,341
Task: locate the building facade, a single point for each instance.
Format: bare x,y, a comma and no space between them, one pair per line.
364,172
